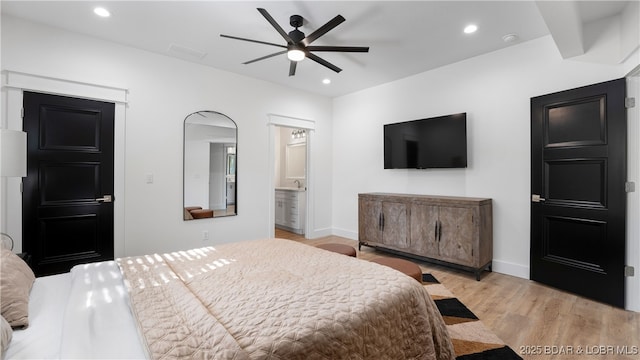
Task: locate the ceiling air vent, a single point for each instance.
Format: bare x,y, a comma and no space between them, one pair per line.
185,51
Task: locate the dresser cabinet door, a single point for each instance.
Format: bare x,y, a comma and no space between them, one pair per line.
395,227
370,221
457,235
423,229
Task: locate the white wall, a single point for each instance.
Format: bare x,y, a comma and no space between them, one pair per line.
162,92
494,90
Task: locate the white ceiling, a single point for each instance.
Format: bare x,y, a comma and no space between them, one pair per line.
405,37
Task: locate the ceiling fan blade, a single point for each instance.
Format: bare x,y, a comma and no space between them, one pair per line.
339,48
292,68
323,62
323,30
265,57
275,25
250,40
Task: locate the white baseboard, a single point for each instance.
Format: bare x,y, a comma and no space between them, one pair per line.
345,233
317,233
508,268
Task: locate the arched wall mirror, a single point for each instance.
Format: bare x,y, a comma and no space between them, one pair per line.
210,166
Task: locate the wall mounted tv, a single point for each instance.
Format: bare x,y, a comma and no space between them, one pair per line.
438,142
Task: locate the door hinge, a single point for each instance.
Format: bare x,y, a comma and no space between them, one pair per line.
22,113
629,102
629,271
629,186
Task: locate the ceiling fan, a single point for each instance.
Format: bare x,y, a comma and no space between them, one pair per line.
298,45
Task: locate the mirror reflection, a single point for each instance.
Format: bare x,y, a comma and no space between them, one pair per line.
210,146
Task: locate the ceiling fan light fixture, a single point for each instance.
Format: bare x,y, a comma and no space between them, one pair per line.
298,45
296,55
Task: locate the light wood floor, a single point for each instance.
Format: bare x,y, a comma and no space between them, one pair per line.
530,317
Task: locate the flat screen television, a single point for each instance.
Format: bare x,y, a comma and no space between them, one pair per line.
438,142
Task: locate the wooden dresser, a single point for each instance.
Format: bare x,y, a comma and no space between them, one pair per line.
454,231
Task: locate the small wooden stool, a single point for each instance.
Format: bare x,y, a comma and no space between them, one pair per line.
339,248
404,266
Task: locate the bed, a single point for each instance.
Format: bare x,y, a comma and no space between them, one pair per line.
262,299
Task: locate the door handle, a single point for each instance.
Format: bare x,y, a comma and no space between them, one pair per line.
537,198
106,199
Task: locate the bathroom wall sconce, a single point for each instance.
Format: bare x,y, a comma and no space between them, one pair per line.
13,144
298,134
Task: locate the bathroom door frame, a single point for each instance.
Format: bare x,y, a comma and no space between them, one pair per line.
274,122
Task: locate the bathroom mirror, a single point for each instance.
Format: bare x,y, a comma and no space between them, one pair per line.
210,166
295,161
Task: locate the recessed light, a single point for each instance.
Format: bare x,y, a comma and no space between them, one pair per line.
102,12
470,29
326,81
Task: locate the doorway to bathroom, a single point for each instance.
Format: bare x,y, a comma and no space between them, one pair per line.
290,181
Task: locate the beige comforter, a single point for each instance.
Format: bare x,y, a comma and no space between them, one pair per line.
278,299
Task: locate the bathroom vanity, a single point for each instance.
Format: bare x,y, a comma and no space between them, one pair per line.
290,209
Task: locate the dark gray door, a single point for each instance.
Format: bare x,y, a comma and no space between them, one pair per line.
578,174
67,209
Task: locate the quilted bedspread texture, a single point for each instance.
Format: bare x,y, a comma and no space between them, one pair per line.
278,299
